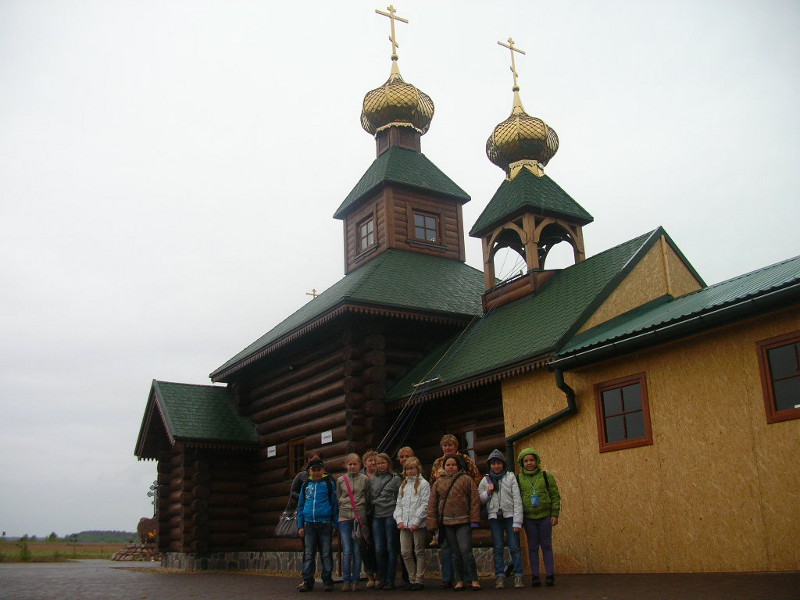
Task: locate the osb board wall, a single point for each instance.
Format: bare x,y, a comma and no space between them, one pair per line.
717,491
659,272
530,398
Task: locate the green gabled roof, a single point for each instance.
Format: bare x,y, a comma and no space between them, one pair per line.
198,414
405,167
519,332
395,280
527,192
752,293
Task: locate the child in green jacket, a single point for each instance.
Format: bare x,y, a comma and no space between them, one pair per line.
541,505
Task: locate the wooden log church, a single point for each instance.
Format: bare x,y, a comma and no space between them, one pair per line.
412,342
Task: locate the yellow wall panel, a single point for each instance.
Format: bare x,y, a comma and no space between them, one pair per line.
717,491
659,272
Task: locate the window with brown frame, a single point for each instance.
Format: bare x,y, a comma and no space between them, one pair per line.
426,227
779,362
297,454
623,413
366,233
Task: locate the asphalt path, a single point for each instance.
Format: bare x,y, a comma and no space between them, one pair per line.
110,580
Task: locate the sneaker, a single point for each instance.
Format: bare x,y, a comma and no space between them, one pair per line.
346,587
390,586
354,587
328,587
536,581
518,583
500,583
304,588
380,585
550,580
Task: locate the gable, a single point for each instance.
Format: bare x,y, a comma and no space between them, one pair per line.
199,415
663,271
754,293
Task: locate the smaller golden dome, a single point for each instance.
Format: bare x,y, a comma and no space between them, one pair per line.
521,138
396,103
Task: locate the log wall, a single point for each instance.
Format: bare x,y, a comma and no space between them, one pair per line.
335,386
393,212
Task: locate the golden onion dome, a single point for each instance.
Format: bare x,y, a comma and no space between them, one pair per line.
396,104
522,139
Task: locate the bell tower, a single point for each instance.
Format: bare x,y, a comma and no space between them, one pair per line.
529,213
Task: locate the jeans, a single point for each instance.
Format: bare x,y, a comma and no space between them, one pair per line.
459,538
351,553
540,534
318,537
412,542
383,536
498,527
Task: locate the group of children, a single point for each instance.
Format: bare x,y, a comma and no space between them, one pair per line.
376,511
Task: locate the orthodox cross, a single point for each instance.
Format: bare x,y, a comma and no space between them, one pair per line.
313,293
392,17
510,46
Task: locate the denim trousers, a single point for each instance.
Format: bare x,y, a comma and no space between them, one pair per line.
540,535
459,538
385,541
351,553
498,527
318,538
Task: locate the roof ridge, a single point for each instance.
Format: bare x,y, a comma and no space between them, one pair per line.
744,275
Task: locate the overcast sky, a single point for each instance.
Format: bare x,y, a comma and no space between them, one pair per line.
169,171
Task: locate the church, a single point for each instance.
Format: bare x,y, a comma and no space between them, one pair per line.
658,401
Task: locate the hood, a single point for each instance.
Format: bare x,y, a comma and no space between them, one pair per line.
496,455
524,452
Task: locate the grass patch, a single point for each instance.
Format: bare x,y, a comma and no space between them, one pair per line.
37,552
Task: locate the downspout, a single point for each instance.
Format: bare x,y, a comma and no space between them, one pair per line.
571,409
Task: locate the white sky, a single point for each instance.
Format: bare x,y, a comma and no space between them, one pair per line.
168,172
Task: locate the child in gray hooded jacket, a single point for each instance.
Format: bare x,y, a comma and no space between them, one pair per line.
499,491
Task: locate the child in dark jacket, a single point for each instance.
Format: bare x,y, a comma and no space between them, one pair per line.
317,518
383,488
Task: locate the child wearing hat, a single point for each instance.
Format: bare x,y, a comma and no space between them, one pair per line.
541,505
499,492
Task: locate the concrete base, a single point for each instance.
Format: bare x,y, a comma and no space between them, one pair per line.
292,562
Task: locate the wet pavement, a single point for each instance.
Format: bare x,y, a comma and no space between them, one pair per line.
109,580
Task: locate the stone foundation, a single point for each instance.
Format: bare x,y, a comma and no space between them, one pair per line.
292,562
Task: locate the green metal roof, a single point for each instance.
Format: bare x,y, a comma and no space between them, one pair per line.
748,294
530,327
527,192
405,167
202,414
393,280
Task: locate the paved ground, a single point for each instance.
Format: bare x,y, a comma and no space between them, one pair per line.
108,580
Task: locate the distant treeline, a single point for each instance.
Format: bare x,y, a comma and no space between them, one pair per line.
84,537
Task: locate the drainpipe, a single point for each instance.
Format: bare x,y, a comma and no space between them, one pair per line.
571,409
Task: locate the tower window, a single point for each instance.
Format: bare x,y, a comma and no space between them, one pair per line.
779,361
366,233
623,413
426,227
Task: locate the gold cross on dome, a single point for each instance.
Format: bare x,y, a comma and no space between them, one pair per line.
392,17
510,46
